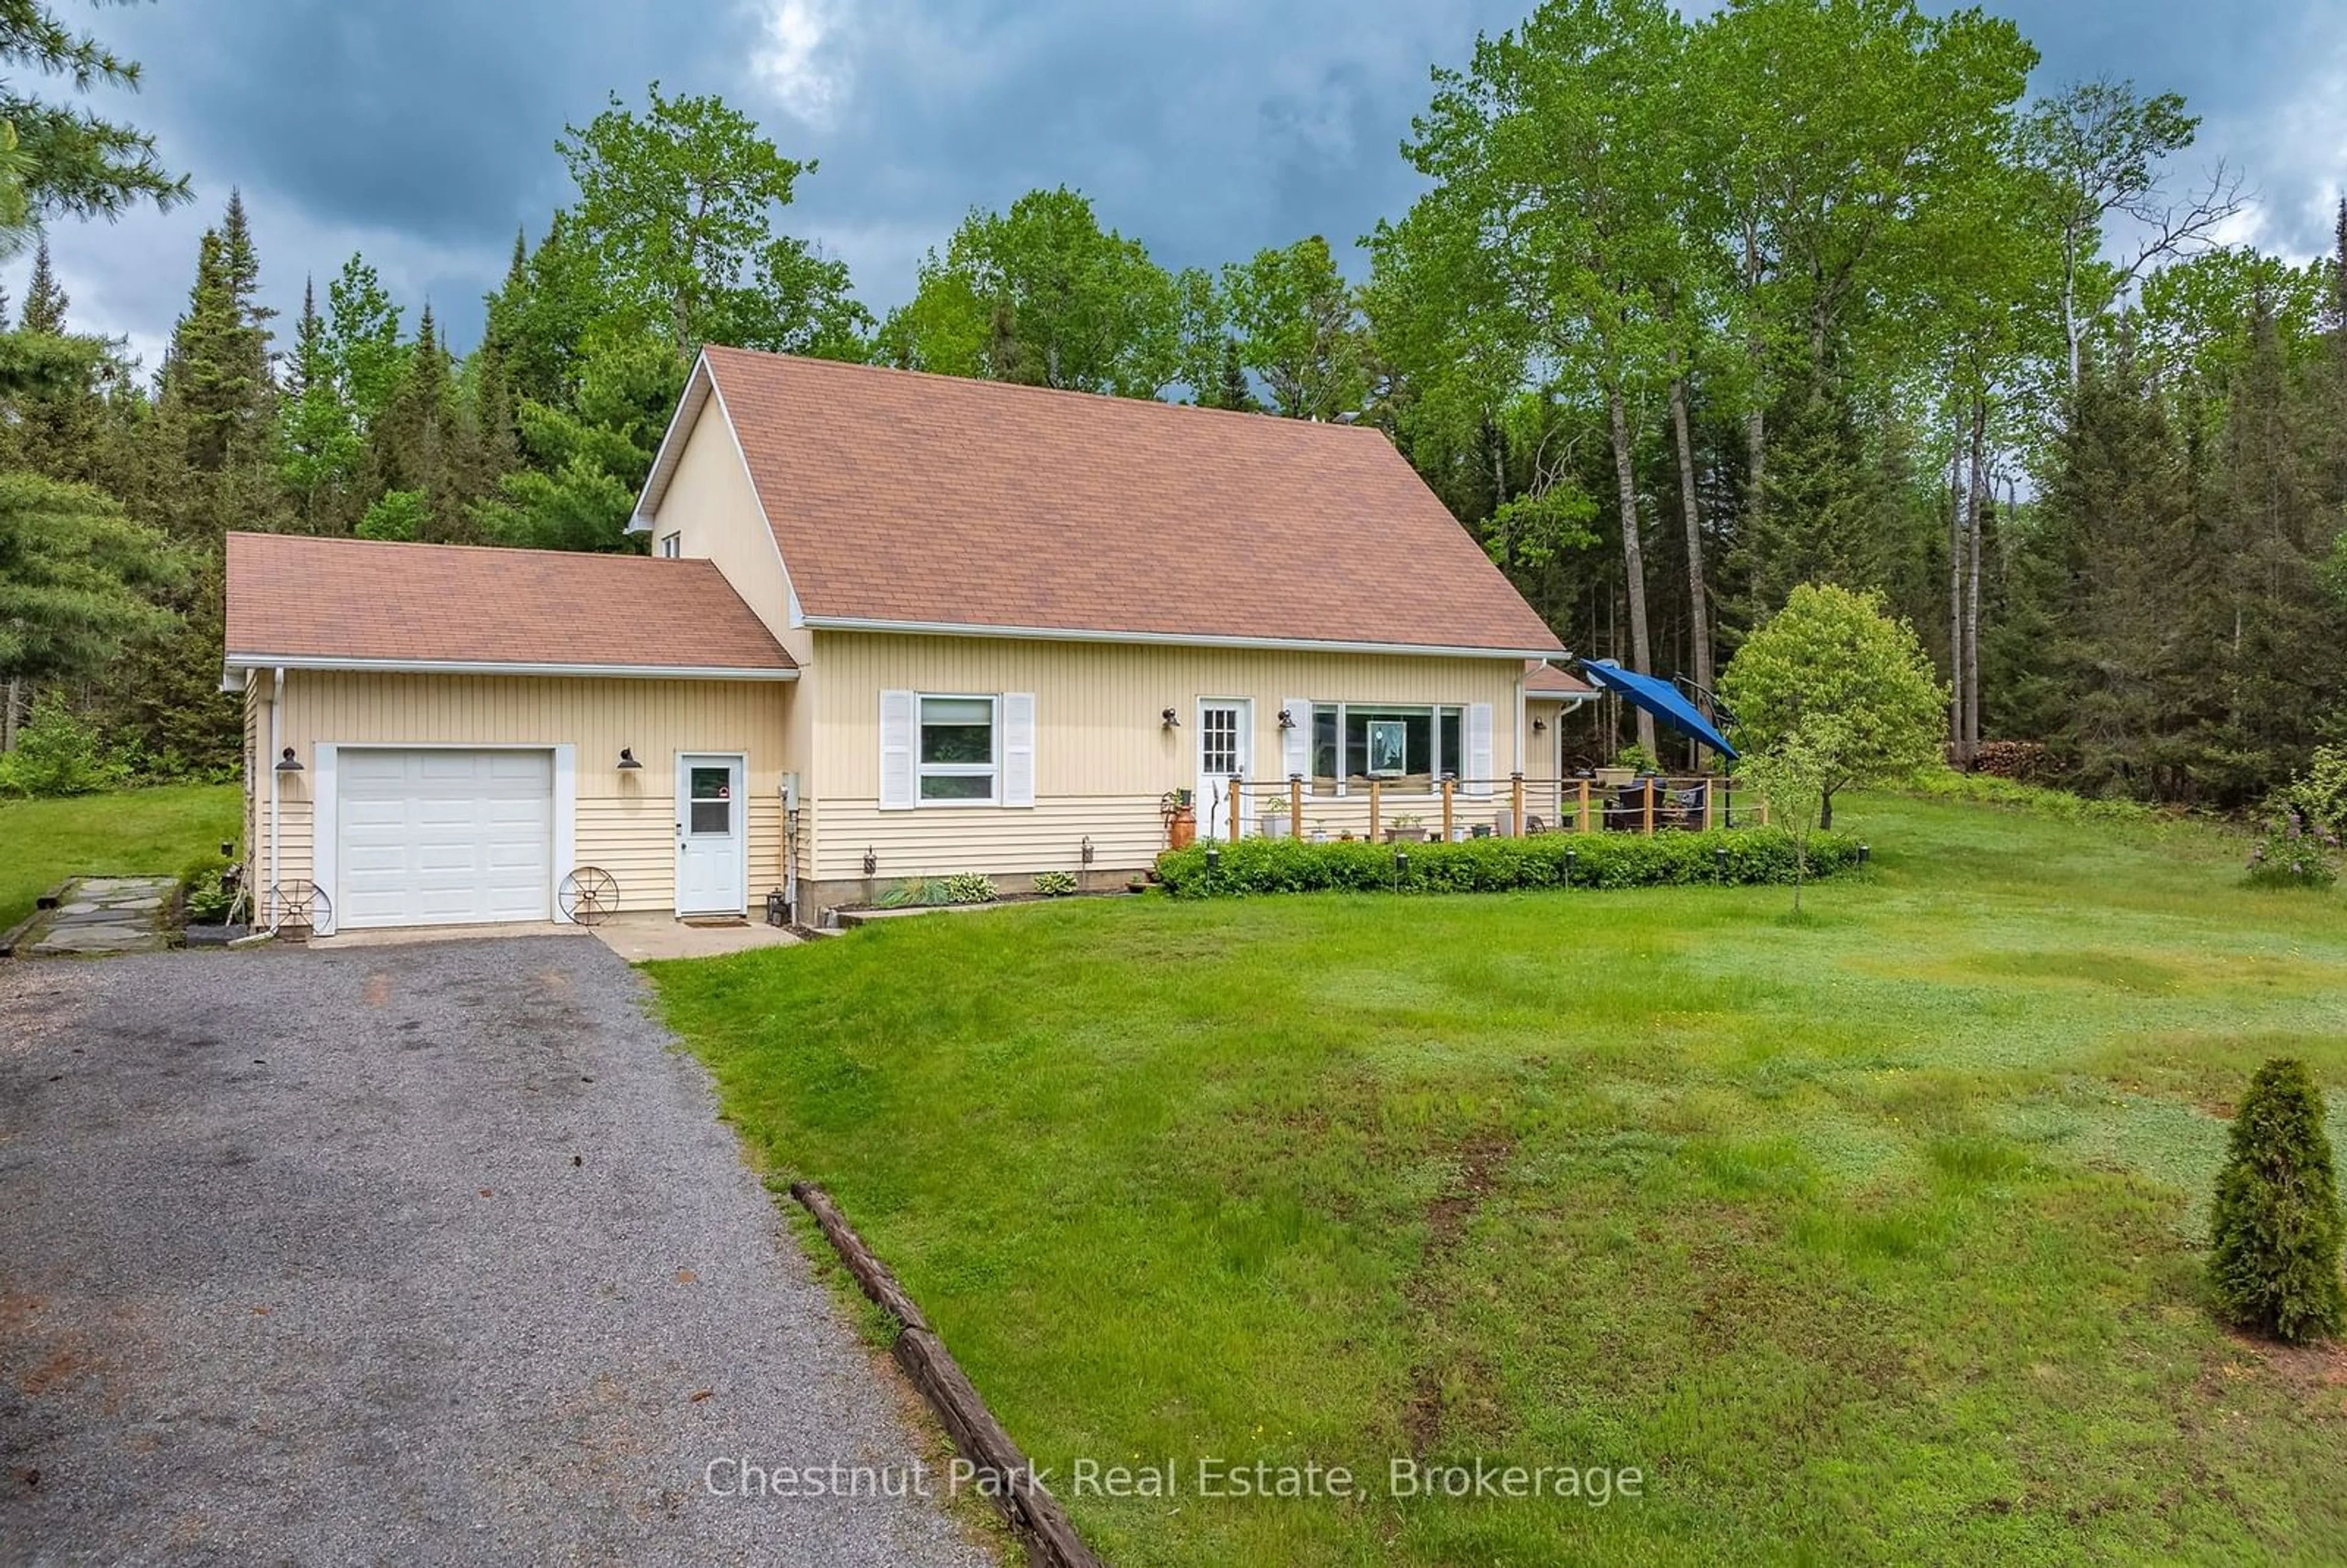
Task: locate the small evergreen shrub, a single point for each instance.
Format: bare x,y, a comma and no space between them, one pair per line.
2274,1262
968,887
1755,855
1055,884
57,754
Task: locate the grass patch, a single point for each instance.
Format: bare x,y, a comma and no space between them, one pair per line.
158,830
1874,1238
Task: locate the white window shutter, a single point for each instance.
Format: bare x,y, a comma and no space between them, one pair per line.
1295,744
899,722
1479,748
1018,748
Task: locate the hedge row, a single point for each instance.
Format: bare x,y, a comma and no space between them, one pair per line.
1755,855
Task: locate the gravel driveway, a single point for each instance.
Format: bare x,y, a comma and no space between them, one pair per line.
430,1254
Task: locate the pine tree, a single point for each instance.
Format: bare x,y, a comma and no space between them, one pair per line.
2120,580
1231,390
2277,635
318,445
45,298
217,374
421,442
57,418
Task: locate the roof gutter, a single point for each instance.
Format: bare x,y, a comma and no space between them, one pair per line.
1169,639
503,667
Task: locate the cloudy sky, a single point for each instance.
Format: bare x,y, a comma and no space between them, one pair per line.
422,132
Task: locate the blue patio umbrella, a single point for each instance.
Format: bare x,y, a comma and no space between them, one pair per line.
1659,698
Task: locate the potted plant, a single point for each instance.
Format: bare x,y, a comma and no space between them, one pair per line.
1407,829
1275,820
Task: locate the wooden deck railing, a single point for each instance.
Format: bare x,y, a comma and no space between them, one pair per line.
1454,808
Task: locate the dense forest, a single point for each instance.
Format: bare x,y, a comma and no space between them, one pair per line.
1688,314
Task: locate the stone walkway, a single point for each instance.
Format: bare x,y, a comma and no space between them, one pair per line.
100,916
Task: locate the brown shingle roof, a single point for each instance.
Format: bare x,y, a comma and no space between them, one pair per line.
298,597
1545,680
904,498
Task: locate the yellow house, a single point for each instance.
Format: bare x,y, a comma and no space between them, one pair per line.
891,625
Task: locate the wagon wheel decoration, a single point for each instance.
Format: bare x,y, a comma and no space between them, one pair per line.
588,896
297,905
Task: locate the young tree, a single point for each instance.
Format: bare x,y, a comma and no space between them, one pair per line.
1042,295
2273,1257
1795,775
676,205
1860,681
362,351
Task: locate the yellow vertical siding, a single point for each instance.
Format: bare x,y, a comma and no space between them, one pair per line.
1104,758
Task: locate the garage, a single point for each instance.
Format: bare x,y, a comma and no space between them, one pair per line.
431,836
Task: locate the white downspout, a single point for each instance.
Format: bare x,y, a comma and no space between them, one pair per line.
276,739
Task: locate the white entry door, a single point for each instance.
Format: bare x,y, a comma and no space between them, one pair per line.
1225,727
711,863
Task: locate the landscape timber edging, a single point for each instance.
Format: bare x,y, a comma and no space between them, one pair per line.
1026,1504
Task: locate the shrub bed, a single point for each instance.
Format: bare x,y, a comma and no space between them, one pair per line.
1755,855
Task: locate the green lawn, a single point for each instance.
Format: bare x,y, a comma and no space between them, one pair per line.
43,842
1875,1237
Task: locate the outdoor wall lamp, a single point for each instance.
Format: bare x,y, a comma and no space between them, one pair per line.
287,765
1172,719
1087,850
1539,725
871,861
1286,720
628,759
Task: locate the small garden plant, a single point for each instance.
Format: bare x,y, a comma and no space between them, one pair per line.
1055,884
2274,1261
968,887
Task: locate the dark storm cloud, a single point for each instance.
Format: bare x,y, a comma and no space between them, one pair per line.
422,132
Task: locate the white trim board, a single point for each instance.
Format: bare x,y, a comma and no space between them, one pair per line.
330,663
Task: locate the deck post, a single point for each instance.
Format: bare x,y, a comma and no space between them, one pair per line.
1295,805
1516,786
1581,818
1374,804
1650,807
1447,785
1231,825
1710,796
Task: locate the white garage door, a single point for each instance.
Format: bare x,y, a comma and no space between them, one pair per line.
436,837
